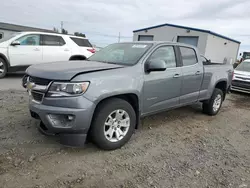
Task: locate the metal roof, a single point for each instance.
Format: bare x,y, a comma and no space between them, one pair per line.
189,28
18,28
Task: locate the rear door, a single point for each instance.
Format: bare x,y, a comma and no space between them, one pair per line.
192,75
55,49
161,90
29,51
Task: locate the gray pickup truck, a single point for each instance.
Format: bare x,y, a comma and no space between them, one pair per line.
105,96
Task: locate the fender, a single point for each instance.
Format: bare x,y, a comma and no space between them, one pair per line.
6,59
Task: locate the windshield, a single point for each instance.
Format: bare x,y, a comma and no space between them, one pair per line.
246,55
121,53
244,66
5,38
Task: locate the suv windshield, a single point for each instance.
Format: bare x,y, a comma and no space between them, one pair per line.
121,53
244,66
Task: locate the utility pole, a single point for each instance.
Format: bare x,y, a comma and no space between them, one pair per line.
61,26
119,37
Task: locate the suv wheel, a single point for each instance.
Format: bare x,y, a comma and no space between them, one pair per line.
213,105
3,68
113,124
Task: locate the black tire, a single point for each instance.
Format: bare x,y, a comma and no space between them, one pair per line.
101,114
207,106
3,67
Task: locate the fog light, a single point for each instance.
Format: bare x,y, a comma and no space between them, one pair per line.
71,117
61,120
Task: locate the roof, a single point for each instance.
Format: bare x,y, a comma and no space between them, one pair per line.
18,28
53,33
189,28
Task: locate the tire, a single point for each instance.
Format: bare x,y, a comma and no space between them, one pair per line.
208,106
102,116
3,68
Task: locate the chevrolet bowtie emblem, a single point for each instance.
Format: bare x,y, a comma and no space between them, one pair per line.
30,85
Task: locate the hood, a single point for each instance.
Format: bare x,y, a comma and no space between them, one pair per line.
242,73
68,69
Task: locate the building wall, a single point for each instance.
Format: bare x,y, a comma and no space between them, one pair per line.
167,33
217,51
6,33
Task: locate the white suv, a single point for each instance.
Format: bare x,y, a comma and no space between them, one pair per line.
28,48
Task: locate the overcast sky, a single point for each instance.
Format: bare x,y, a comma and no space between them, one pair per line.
102,20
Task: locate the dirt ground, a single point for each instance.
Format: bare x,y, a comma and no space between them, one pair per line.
179,148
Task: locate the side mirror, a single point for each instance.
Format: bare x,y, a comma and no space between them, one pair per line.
240,54
209,61
15,43
155,65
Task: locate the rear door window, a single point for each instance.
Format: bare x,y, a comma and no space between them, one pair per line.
51,40
188,56
81,42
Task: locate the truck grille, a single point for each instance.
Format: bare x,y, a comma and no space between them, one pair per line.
241,84
37,96
39,81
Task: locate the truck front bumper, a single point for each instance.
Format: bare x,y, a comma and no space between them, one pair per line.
71,124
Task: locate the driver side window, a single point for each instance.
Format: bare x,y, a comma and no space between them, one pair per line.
29,40
166,54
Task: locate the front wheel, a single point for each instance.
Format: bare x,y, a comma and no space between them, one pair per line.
3,68
113,124
213,105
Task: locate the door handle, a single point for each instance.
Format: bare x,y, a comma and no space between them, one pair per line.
66,50
198,72
36,49
176,76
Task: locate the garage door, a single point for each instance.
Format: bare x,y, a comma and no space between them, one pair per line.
145,38
188,40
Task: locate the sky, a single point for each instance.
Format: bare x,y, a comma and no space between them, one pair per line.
102,20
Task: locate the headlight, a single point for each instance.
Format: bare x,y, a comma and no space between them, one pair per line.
59,89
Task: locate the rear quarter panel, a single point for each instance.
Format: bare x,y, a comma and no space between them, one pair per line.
214,74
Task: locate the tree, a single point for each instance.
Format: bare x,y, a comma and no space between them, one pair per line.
64,31
55,30
79,34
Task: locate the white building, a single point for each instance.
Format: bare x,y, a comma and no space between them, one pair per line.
214,46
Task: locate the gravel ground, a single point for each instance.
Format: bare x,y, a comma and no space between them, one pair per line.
179,148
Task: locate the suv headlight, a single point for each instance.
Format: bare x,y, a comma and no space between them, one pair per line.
60,89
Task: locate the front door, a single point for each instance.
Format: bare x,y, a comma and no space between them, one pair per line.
192,75
29,51
161,89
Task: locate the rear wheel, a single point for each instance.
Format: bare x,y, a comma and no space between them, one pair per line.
113,124
3,68
213,105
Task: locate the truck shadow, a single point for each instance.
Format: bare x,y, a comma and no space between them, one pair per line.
15,75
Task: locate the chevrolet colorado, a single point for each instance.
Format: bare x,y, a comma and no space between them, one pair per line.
105,96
